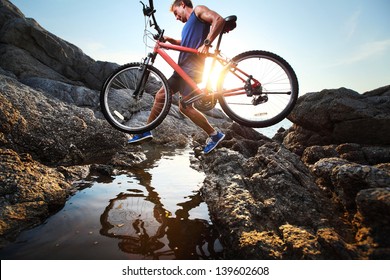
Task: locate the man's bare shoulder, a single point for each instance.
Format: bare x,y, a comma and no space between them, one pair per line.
205,14
200,9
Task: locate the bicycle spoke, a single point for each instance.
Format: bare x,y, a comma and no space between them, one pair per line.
263,105
130,113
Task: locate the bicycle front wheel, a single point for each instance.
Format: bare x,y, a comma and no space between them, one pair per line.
128,109
266,89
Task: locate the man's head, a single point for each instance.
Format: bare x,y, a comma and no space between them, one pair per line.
188,3
178,8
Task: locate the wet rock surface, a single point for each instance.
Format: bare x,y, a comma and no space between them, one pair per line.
319,190
29,192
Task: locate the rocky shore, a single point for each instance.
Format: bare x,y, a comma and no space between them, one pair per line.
319,190
315,191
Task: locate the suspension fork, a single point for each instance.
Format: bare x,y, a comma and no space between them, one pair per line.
139,90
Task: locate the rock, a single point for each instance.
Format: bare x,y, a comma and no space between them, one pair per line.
267,205
8,11
52,131
349,179
368,155
29,192
346,179
341,116
313,154
24,43
345,145
374,212
71,94
24,65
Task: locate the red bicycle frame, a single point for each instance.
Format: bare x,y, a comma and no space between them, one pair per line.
159,49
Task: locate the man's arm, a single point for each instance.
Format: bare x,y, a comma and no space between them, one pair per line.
172,41
216,24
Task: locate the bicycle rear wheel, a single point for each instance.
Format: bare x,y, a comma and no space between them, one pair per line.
265,104
127,110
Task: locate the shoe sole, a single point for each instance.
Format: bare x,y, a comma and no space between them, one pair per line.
223,137
140,140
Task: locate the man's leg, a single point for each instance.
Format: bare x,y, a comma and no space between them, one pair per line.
156,110
197,118
157,105
215,137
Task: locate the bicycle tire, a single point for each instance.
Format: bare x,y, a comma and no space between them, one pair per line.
129,113
269,106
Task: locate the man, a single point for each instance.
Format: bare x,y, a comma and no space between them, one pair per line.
202,26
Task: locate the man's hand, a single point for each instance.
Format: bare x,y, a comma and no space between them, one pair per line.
203,49
171,40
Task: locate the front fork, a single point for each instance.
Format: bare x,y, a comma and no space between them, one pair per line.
144,69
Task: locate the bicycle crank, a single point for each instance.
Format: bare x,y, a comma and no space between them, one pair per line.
206,103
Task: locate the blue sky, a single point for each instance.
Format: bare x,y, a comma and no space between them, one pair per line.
330,44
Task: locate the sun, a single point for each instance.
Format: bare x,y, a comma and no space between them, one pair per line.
211,76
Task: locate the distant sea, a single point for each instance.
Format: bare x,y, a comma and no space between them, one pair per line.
271,130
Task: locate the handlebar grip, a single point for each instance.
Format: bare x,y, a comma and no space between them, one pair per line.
148,11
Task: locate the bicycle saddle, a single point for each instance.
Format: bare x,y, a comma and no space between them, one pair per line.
230,24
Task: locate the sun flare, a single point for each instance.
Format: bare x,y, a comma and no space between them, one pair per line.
211,74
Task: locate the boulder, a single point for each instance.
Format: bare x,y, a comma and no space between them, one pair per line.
374,208
28,50
340,116
267,205
51,131
29,193
342,137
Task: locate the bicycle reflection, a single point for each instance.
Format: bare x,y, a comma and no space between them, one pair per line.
144,227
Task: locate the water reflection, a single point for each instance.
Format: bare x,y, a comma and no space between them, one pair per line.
153,211
144,226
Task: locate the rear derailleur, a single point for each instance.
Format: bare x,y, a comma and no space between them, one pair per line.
255,90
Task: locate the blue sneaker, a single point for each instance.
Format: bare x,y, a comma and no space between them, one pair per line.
212,142
140,137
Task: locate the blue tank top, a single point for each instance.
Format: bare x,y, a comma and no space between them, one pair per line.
193,35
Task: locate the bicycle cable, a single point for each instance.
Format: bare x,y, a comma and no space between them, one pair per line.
148,35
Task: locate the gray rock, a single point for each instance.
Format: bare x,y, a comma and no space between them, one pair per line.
71,94
267,205
52,131
373,219
341,116
24,43
345,179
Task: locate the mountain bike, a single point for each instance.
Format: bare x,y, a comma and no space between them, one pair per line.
255,88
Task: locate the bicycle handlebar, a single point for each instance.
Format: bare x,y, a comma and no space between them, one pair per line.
151,4
149,11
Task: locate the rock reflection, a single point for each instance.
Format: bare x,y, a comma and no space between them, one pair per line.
138,219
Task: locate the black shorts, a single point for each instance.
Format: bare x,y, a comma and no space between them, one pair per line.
177,84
